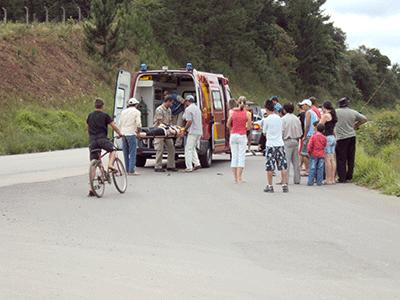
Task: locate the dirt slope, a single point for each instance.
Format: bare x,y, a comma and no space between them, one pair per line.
42,63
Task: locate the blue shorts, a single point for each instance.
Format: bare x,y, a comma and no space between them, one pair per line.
330,144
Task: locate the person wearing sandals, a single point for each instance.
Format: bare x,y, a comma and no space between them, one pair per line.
275,148
329,119
130,123
239,122
310,118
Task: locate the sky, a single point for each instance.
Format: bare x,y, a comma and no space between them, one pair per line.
374,23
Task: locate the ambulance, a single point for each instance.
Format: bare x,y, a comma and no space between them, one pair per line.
210,90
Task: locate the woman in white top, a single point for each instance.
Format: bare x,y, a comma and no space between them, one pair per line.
130,123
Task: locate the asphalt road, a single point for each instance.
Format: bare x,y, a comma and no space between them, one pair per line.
191,236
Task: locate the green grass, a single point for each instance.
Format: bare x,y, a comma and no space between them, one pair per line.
33,128
375,173
378,157
50,31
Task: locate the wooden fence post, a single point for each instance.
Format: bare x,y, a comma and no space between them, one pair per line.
79,14
46,11
63,14
5,15
26,15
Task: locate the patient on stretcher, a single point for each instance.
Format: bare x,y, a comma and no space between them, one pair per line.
162,131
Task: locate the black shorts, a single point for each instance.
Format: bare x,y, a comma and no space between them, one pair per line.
275,156
104,144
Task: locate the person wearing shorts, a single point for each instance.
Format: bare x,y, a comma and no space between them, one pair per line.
310,118
97,125
275,151
329,119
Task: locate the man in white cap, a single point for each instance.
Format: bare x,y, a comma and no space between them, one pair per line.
310,118
130,124
194,128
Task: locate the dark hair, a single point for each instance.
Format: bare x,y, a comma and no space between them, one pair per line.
274,98
269,105
313,100
329,106
320,128
343,102
288,108
99,103
168,98
316,123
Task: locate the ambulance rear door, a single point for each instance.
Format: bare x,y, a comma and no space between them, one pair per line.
122,94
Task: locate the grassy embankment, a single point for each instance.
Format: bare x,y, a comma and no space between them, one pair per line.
47,86
378,156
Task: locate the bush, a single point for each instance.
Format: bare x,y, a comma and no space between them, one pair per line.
378,160
383,130
375,173
39,129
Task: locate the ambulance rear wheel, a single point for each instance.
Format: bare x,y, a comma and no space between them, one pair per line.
141,161
206,158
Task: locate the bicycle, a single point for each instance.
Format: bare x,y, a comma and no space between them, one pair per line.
98,175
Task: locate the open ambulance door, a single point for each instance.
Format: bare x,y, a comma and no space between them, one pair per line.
122,94
219,118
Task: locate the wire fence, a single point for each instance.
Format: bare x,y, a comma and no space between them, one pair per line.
43,14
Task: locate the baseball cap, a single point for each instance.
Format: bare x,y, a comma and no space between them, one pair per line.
190,98
306,102
132,101
278,107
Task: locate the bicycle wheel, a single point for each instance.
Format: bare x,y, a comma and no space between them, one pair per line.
96,178
120,178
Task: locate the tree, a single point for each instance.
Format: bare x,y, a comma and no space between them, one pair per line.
103,30
319,44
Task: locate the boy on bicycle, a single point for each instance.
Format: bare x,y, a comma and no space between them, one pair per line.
97,125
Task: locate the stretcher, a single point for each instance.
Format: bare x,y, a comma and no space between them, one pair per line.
164,132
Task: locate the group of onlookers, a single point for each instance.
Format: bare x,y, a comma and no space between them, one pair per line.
318,143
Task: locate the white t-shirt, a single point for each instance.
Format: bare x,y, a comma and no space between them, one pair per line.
193,113
272,128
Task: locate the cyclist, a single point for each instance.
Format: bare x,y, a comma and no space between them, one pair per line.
97,125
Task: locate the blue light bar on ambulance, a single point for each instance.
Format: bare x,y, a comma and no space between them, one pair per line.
189,67
143,67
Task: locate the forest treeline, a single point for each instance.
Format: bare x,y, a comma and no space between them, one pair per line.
291,46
